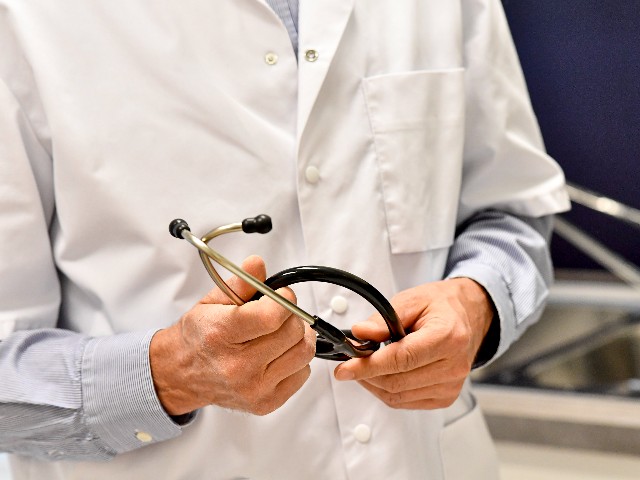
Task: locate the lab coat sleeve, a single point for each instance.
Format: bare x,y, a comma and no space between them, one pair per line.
63,395
505,163
509,257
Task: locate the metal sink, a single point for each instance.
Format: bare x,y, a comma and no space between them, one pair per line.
606,362
603,361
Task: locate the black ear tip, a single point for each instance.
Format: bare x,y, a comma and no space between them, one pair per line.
177,226
259,224
264,223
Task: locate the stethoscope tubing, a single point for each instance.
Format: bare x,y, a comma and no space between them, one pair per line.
335,276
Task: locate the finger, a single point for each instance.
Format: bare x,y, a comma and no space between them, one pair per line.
293,359
292,383
426,376
267,348
408,309
373,328
413,351
256,319
283,391
434,396
254,266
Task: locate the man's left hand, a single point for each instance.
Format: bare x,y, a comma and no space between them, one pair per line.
446,322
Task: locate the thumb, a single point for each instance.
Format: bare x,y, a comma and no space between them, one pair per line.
373,328
254,266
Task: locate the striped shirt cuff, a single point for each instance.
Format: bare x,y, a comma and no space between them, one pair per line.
120,402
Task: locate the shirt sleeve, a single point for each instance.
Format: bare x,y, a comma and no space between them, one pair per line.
509,256
69,396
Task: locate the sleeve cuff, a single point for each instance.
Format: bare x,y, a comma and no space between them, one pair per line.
120,402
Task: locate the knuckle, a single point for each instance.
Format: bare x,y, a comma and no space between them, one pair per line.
271,321
465,371
306,374
251,394
460,369
461,340
210,336
394,400
396,384
204,345
307,348
191,322
450,400
232,373
271,316
268,401
405,359
449,395
297,328
445,402
263,408
246,396
289,294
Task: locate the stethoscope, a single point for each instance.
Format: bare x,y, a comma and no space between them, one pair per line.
331,343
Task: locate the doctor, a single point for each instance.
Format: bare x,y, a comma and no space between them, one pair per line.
394,140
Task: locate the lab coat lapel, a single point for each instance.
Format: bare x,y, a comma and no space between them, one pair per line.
321,25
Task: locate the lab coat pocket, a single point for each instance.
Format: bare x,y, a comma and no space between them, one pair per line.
466,447
417,121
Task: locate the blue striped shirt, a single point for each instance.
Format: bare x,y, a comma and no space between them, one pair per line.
287,10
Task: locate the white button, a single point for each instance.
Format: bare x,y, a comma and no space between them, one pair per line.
311,55
362,433
312,174
271,58
144,437
339,304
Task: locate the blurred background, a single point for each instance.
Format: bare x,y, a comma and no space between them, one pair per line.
564,402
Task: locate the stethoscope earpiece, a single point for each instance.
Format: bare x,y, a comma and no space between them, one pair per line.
177,226
259,224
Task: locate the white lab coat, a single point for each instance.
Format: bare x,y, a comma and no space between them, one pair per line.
413,116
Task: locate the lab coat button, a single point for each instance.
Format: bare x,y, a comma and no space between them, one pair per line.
339,304
144,437
362,433
271,58
311,55
312,174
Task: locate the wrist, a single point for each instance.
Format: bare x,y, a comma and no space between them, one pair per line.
482,316
169,371
477,303
490,340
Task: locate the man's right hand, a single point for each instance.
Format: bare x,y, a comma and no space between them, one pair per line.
251,358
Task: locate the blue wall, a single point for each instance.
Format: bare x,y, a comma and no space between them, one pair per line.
581,59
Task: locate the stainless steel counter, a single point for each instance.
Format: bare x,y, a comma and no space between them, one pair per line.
562,419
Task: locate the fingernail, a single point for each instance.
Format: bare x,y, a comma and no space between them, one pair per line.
344,375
